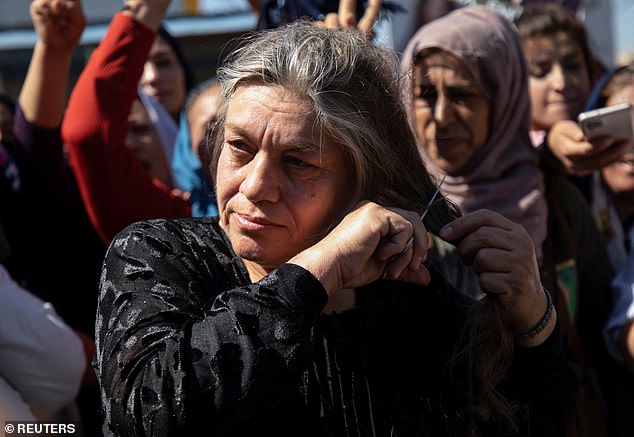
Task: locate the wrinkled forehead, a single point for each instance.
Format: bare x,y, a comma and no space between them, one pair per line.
255,109
440,59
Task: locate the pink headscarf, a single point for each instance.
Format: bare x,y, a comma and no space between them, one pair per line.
505,175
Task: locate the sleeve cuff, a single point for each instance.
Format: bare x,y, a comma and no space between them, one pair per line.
298,287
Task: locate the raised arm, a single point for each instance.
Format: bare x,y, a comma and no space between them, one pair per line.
40,107
59,25
116,188
147,12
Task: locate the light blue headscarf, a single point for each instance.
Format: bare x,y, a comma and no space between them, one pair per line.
189,174
163,123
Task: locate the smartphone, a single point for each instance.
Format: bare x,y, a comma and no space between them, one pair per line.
615,120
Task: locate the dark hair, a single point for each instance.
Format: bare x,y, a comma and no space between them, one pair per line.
621,77
177,49
7,101
547,19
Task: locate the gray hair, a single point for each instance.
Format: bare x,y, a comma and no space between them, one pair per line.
354,90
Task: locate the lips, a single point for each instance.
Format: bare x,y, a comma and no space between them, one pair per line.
446,141
253,223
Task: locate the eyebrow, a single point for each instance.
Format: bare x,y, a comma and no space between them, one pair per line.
454,86
300,146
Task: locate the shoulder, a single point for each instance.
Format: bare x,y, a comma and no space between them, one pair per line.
192,255
183,243
165,234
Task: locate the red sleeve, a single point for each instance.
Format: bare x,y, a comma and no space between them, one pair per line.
115,187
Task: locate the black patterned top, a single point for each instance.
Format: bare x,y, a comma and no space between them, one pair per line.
188,346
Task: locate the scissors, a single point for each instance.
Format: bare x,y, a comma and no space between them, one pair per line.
422,215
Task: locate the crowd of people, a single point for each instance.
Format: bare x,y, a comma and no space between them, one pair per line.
328,237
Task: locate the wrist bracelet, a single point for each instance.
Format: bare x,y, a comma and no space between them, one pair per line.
543,322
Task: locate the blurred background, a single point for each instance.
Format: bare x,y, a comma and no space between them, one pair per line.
206,28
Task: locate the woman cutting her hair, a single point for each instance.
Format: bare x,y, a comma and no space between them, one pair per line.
302,309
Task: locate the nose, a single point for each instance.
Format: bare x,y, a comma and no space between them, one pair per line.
262,180
150,73
443,111
558,77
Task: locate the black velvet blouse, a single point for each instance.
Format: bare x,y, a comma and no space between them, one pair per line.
188,346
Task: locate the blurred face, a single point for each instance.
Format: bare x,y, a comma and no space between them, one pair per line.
164,78
280,185
144,142
559,83
202,113
452,112
619,176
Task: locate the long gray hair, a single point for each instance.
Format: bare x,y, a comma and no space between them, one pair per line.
354,90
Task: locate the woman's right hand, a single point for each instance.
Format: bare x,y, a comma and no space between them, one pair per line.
346,18
578,155
148,12
58,23
366,245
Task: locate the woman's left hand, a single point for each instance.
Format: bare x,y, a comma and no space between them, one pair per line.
346,18
502,254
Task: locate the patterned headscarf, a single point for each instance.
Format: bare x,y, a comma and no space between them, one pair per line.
505,175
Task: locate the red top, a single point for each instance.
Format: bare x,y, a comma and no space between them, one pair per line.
116,189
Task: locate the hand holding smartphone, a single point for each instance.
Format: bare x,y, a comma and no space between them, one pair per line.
616,121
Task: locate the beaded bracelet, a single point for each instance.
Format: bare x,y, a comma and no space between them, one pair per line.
543,322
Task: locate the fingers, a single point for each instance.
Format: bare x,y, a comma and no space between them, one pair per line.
371,14
463,226
603,152
411,254
331,21
608,152
57,7
579,155
347,14
500,251
398,232
346,17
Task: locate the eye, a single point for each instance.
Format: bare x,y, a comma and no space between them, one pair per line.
297,163
573,66
459,95
427,94
539,69
240,151
163,62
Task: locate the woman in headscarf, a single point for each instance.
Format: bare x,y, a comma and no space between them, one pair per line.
468,98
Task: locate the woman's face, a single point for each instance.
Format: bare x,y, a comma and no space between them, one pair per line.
144,141
203,112
280,184
451,110
164,78
619,176
559,81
